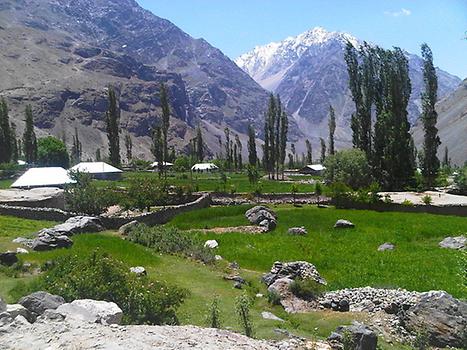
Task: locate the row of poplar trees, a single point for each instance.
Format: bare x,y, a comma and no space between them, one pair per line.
380,86
12,148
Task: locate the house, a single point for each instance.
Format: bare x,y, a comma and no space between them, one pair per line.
98,170
314,169
43,177
165,165
204,167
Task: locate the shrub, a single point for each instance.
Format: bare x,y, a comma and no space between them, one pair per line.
460,179
387,198
349,167
143,193
253,174
98,276
170,240
52,152
306,289
407,203
242,307
339,192
140,164
274,298
213,319
182,164
427,200
348,342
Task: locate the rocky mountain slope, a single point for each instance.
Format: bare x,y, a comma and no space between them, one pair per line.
309,73
452,125
60,55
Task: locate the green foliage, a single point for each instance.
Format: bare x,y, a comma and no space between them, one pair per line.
242,308
170,240
253,174
86,197
7,138
182,164
213,317
273,298
223,180
143,193
252,155
461,180
427,200
52,152
140,164
29,138
112,122
348,342
349,167
306,289
339,192
99,276
407,203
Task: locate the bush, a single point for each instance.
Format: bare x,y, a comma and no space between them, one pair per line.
339,192
52,152
427,200
242,307
144,192
182,164
407,203
213,319
170,240
86,198
274,298
306,289
461,180
98,276
349,167
140,164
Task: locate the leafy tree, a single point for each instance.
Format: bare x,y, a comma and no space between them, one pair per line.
15,148
446,160
309,154
213,319
182,164
349,167
239,147
98,155
129,147
199,145
323,150
112,120
228,151
332,130
252,155
157,148
52,152
164,99
76,149
242,306
253,174
291,161
5,134
430,165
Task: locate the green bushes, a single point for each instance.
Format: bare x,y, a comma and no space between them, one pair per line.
52,152
170,240
143,193
349,167
213,318
242,307
98,276
306,289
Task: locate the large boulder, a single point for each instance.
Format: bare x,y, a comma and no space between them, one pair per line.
18,309
75,225
361,337
8,258
38,302
292,270
290,302
262,216
93,311
458,243
49,241
441,316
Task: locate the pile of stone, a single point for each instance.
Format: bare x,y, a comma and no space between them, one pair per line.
59,235
292,270
263,217
370,299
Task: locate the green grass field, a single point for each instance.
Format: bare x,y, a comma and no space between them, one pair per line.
5,183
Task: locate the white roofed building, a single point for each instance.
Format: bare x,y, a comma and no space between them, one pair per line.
98,170
204,167
43,177
313,169
165,165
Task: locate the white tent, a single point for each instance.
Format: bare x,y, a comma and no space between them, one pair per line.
43,177
201,167
164,164
98,170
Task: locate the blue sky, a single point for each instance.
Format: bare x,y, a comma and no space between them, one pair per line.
236,26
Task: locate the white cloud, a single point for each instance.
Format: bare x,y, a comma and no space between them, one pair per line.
402,12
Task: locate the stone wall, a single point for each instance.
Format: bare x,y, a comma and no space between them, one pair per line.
271,198
50,214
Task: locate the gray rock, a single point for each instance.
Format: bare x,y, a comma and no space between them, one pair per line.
458,243
75,225
126,229
234,265
5,318
138,270
47,241
238,285
262,216
363,338
22,251
93,311
2,305
343,224
441,316
292,270
23,241
343,305
50,315
270,316
212,244
386,246
297,231
18,309
8,258
38,302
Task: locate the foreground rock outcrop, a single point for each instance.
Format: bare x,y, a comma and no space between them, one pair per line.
263,217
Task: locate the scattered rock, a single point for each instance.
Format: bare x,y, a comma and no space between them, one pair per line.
234,265
22,251
297,269
125,229
458,243
93,311
441,316
75,225
343,224
138,270
8,258
38,302
297,231
237,285
259,295
270,316
47,241
18,309
212,243
23,241
386,246
218,258
235,278
363,338
262,216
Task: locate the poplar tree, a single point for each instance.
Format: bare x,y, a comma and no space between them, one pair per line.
446,160
430,162
14,144
157,148
164,99
199,144
332,130
228,154
252,155
76,148
129,147
112,120
98,155
309,154
29,138
239,147
323,150
5,134
284,128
